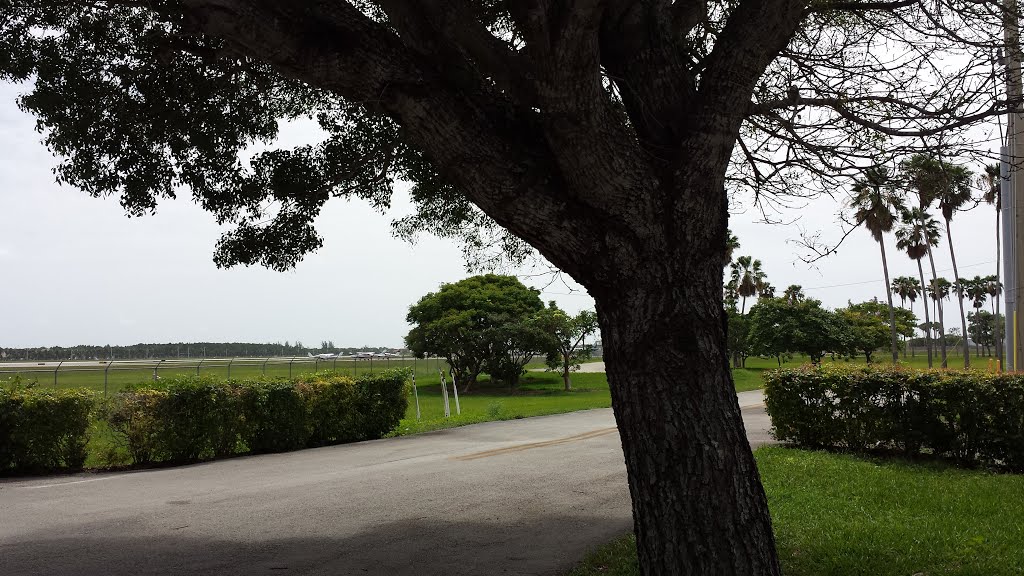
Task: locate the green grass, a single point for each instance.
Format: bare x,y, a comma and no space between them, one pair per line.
539,393
93,377
837,515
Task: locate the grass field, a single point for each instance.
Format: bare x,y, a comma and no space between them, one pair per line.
836,515
121,375
539,393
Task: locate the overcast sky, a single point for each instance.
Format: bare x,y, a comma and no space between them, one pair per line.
75,270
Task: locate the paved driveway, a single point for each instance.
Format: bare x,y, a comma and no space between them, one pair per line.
525,496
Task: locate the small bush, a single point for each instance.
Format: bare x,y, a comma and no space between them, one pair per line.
973,417
43,429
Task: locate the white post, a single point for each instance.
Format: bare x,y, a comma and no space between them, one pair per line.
444,394
416,395
455,388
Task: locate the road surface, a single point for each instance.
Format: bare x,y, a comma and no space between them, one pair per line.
526,496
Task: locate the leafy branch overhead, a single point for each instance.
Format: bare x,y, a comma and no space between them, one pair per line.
147,100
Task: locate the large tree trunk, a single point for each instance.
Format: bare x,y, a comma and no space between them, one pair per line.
698,504
892,311
959,298
927,319
938,311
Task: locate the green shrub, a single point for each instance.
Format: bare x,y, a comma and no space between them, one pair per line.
193,418
43,429
181,419
973,417
275,416
135,416
381,402
329,404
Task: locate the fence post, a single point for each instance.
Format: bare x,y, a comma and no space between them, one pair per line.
316,364
156,370
371,364
455,389
265,366
231,361
444,394
290,366
416,394
55,370
334,367
200,363
105,371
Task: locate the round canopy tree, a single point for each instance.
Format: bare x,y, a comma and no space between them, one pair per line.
600,133
482,322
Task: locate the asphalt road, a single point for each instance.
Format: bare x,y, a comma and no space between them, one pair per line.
527,496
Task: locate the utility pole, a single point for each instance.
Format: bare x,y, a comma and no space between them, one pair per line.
1015,135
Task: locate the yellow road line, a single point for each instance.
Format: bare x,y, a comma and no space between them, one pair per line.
531,445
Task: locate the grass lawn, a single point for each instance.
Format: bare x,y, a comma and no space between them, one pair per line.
842,515
539,393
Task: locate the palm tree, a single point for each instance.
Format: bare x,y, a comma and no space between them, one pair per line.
991,181
939,291
766,290
907,288
875,206
927,177
794,293
749,278
977,291
915,237
995,290
732,244
953,192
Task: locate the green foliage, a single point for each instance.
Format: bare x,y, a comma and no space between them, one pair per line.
869,326
275,415
567,333
43,429
974,417
738,337
983,326
486,320
194,418
779,326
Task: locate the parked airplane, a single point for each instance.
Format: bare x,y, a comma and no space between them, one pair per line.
324,356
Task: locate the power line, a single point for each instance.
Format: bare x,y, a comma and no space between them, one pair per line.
879,279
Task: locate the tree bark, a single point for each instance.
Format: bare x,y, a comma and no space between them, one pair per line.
892,311
698,505
959,298
927,319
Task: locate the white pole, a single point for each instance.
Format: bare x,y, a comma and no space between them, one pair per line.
455,388
444,394
416,395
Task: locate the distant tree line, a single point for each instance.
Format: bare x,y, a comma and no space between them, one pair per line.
178,350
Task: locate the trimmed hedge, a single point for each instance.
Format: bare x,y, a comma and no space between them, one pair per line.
196,418
974,417
43,429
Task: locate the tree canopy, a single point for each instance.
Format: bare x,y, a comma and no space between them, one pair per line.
603,134
481,322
